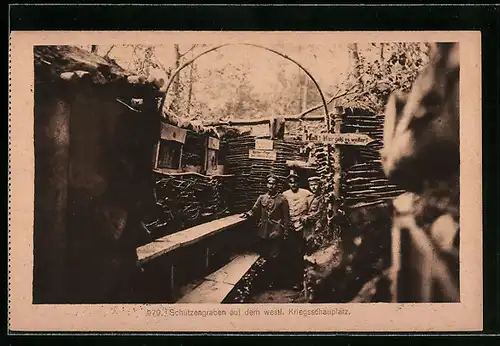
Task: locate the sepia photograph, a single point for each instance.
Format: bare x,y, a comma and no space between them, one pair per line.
246,184
247,173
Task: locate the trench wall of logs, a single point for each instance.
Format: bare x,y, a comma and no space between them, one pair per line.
187,200
367,198
250,174
364,182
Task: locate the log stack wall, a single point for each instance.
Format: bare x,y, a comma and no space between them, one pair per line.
250,174
187,200
364,182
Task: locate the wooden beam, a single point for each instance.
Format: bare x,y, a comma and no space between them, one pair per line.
208,292
337,118
216,286
250,122
178,172
234,270
192,235
157,157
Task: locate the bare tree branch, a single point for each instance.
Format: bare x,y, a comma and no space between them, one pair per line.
167,71
174,73
190,49
131,57
318,106
109,51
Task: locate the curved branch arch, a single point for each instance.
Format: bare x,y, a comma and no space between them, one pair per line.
189,62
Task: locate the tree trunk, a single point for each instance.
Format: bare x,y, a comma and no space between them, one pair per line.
299,87
177,62
381,52
175,84
304,92
354,56
190,90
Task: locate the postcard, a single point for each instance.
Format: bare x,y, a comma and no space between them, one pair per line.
190,181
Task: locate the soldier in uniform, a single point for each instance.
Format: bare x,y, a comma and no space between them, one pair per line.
314,220
299,200
273,216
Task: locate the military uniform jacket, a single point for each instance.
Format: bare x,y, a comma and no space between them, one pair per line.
273,215
299,205
316,216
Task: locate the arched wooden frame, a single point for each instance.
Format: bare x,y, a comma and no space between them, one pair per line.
187,63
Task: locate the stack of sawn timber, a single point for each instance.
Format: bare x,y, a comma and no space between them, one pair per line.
250,181
365,182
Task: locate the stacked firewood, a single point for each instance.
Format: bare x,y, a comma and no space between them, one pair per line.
366,193
188,200
363,186
251,173
285,151
239,164
364,182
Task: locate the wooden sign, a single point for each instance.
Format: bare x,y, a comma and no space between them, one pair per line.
262,154
213,143
173,133
345,138
263,144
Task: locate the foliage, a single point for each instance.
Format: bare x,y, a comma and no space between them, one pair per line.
228,88
395,67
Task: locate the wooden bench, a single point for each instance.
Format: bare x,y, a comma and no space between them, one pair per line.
181,240
186,237
216,286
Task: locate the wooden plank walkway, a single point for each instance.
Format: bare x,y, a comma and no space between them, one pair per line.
217,285
186,237
234,270
208,292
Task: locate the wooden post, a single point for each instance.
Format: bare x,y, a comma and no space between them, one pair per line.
395,258
172,280
157,157
328,146
207,257
337,118
426,278
206,164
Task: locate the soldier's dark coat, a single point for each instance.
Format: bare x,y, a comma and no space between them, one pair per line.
273,215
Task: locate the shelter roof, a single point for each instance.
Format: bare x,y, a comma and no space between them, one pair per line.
73,63
191,125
